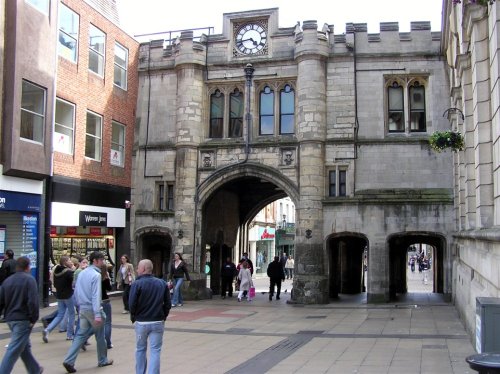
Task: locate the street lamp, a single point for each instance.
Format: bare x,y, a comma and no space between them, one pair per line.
283,223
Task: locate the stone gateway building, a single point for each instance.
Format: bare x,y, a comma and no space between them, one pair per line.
339,123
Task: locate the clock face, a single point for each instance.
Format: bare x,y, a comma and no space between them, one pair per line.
251,38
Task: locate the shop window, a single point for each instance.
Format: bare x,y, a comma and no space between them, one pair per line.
69,23
406,105
97,48
32,112
165,196
64,127
121,64
93,136
117,144
337,182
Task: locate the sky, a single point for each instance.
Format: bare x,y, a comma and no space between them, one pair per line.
153,16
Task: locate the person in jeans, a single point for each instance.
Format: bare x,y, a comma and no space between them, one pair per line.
88,296
106,304
149,304
177,271
19,302
63,280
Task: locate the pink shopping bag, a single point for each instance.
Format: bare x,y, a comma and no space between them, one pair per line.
251,293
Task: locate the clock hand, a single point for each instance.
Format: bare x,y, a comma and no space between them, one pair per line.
253,41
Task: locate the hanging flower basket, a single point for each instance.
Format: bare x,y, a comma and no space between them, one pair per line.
442,140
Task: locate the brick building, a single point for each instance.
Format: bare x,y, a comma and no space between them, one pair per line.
69,95
339,123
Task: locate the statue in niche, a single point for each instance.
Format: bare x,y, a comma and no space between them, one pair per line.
288,157
207,160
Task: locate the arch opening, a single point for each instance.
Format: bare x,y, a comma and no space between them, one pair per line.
348,256
427,247
157,247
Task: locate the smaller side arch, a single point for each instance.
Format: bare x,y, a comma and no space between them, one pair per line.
154,243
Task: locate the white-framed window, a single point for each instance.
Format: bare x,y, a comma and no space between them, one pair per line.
337,182
165,196
406,104
121,64
93,136
41,5
64,127
226,113
69,23
117,144
33,102
97,48
284,122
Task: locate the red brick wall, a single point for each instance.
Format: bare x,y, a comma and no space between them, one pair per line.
88,91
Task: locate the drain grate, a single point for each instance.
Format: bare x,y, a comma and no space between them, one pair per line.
266,360
315,317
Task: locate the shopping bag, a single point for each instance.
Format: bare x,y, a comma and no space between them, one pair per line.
251,293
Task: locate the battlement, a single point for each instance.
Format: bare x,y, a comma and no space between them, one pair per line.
388,41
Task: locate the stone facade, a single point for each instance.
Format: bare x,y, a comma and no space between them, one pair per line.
471,45
358,186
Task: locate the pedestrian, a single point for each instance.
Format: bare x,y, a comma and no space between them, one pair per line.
228,272
88,296
245,278
290,264
124,279
248,261
63,280
283,259
177,271
106,303
8,265
276,275
19,302
149,307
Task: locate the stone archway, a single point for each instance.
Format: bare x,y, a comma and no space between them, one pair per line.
228,201
155,243
398,246
346,263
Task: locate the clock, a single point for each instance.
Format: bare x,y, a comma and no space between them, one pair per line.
251,38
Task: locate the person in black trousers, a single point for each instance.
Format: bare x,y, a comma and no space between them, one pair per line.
227,273
276,276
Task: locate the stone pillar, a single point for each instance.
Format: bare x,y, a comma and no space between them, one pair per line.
476,20
469,154
311,52
189,64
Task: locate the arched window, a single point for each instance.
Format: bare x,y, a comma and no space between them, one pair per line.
417,107
396,108
236,114
216,114
266,123
287,110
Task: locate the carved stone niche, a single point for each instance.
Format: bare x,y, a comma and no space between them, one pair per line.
207,159
288,156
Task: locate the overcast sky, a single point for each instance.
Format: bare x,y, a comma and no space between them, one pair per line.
151,16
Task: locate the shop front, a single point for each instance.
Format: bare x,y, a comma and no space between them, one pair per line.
264,248
78,230
19,226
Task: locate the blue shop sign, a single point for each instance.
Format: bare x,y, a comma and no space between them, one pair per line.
20,201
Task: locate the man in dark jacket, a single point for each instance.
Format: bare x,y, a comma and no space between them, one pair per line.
19,301
149,305
8,266
227,274
276,275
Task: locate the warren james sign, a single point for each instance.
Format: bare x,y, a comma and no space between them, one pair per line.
93,219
